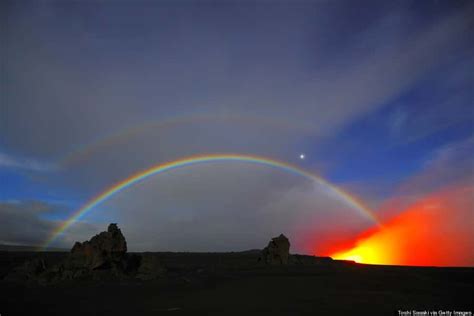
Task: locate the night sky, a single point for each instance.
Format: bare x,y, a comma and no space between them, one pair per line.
376,95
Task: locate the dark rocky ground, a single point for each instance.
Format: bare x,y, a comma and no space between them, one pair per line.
234,284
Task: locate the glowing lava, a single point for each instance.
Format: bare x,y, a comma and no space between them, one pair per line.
435,231
361,254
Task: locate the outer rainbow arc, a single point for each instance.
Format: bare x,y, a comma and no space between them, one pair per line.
123,135
160,168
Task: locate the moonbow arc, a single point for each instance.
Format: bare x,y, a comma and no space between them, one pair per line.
118,138
191,160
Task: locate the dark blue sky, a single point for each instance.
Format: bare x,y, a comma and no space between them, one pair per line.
374,93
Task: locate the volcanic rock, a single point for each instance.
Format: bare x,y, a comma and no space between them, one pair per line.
277,252
102,251
103,257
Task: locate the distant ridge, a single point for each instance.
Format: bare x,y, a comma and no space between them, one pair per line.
16,248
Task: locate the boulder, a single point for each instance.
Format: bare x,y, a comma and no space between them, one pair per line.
277,252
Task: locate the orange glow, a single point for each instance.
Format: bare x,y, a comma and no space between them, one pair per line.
362,254
437,230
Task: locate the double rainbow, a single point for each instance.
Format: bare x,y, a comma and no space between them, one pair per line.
192,160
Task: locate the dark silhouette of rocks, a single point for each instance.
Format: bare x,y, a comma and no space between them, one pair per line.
307,260
102,251
277,252
103,257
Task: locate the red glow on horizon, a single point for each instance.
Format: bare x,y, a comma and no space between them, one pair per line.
436,231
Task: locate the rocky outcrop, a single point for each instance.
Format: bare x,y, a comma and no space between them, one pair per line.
102,251
277,252
104,256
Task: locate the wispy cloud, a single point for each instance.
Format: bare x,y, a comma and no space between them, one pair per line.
26,164
450,165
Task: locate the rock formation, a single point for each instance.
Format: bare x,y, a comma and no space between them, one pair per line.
104,256
102,251
277,252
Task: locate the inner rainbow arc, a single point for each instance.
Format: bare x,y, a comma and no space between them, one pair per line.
191,160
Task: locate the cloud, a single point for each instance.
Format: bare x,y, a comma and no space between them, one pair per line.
440,103
27,223
7,161
77,87
449,166
21,222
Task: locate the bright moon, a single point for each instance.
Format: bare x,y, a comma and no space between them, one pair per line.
302,156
